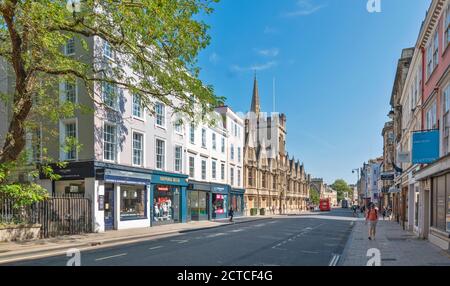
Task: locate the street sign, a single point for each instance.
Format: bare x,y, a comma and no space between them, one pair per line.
425,147
388,176
404,157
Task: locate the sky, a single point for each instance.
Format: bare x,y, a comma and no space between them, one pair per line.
333,63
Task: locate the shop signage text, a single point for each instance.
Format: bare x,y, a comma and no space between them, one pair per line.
425,147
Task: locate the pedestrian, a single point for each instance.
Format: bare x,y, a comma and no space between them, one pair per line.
372,219
231,214
384,213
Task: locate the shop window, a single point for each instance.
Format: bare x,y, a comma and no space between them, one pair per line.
219,204
132,202
165,204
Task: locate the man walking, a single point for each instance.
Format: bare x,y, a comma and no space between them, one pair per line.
372,219
231,214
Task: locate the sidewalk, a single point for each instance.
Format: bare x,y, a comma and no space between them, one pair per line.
397,247
11,251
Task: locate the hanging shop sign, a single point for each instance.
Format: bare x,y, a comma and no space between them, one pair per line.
425,147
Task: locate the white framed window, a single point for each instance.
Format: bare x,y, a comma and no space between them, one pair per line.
192,133
109,142
447,27
446,100
160,111
69,48
433,54
214,169
109,94
223,145
232,176
204,138
69,91
191,166
107,50
203,169
138,109
214,143
239,177
232,152
239,154
160,154
222,171
178,158
178,126
138,149
431,117
70,136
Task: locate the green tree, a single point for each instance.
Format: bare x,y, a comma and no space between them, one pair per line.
314,197
341,187
157,40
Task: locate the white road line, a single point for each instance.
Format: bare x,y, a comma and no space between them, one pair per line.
310,252
156,247
334,260
109,257
215,235
180,241
236,230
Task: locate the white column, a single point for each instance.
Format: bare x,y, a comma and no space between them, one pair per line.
94,189
117,198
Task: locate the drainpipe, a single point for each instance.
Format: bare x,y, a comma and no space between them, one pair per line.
422,49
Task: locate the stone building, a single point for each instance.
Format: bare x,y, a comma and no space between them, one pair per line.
274,181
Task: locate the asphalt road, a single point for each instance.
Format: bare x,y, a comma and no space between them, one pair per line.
307,240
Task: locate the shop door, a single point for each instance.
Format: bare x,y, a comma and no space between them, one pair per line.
109,208
176,206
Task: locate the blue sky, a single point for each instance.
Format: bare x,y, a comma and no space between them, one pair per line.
334,64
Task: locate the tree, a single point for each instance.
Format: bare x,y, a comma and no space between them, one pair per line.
158,40
341,187
314,197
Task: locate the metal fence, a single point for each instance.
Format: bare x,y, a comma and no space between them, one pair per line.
57,215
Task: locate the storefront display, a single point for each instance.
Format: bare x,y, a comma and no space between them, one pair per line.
165,202
237,201
132,202
219,204
198,205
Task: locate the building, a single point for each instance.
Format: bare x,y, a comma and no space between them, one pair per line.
215,166
330,194
387,169
274,182
433,199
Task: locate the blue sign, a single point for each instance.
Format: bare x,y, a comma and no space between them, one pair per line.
425,147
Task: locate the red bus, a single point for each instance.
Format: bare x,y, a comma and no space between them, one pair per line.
325,205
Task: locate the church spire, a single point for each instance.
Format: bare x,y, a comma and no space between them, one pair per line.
255,108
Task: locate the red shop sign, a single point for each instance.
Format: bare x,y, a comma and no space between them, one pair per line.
163,189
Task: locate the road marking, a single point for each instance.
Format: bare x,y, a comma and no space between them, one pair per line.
180,241
236,230
156,247
334,260
310,252
109,257
216,235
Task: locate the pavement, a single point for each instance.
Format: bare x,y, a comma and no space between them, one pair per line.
395,247
295,240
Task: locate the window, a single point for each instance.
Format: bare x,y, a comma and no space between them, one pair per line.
447,26
223,145
70,130
69,48
222,171
213,169
239,177
192,134
179,126
138,152
160,154
160,111
214,145
69,92
239,154
109,142
109,95
235,130
203,170
178,158
447,99
232,152
132,202
191,167
431,117
138,110
107,51
433,54
250,177
204,138
231,176
274,182
263,178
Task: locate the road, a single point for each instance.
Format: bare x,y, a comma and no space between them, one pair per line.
307,240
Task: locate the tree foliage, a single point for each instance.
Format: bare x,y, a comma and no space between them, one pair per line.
155,45
314,197
341,187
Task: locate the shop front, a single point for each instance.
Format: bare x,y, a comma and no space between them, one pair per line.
237,201
168,196
198,201
219,201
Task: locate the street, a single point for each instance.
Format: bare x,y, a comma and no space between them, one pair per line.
306,240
